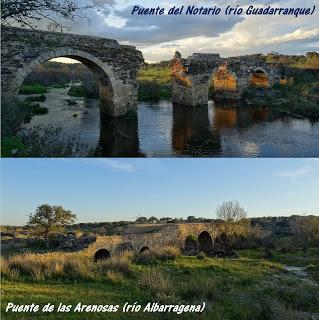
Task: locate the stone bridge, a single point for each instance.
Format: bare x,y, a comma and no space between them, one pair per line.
142,237
114,66
229,77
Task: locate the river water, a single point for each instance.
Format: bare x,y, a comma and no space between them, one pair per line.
164,130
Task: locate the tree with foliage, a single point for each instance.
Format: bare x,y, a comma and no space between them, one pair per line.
305,230
141,220
234,222
152,220
48,219
29,13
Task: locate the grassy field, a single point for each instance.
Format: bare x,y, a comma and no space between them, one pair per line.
154,83
248,287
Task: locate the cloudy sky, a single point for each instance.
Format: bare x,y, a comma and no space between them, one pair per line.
122,189
159,36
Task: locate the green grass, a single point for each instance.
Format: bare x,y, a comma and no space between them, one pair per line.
33,89
157,74
244,288
299,98
39,98
11,144
154,83
77,91
38,110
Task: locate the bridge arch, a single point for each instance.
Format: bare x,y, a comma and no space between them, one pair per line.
259,78
102,72
224,78
205,243
144,249
101,254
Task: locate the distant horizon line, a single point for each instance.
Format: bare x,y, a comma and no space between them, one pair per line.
183,220
74,61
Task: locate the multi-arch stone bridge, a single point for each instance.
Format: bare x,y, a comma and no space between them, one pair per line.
114,66
138,238
229,77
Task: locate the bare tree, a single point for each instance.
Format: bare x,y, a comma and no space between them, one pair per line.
305,229
29,13
234,222
231,211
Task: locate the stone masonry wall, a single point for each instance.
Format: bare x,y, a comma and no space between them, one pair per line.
151,236
200,69
115,66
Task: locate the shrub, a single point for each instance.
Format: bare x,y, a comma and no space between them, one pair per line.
33,89
11,146
77,91
49,142
40,98
278,311
191,238
120,263
153,91
51,265
157,254
114,276
157,282
199,287
167,253
13,114
38,110
201,255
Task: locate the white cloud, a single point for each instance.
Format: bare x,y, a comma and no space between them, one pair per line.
110,164
299,34
159,36
296,174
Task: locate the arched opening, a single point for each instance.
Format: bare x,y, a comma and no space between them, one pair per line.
205,243
102,254
224,80
64,91
144,249
79,69
283,80
259,79
102,73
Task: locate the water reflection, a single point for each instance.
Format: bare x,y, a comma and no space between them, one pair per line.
163,130
191,134
235,115
118,138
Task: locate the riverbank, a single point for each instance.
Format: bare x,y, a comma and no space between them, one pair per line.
299,98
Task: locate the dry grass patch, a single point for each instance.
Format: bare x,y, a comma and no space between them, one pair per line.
157,254
199,287
120,263
156,281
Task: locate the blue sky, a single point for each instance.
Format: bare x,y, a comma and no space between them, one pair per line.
116,189
159,36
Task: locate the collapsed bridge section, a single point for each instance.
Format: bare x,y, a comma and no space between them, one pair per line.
228,77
